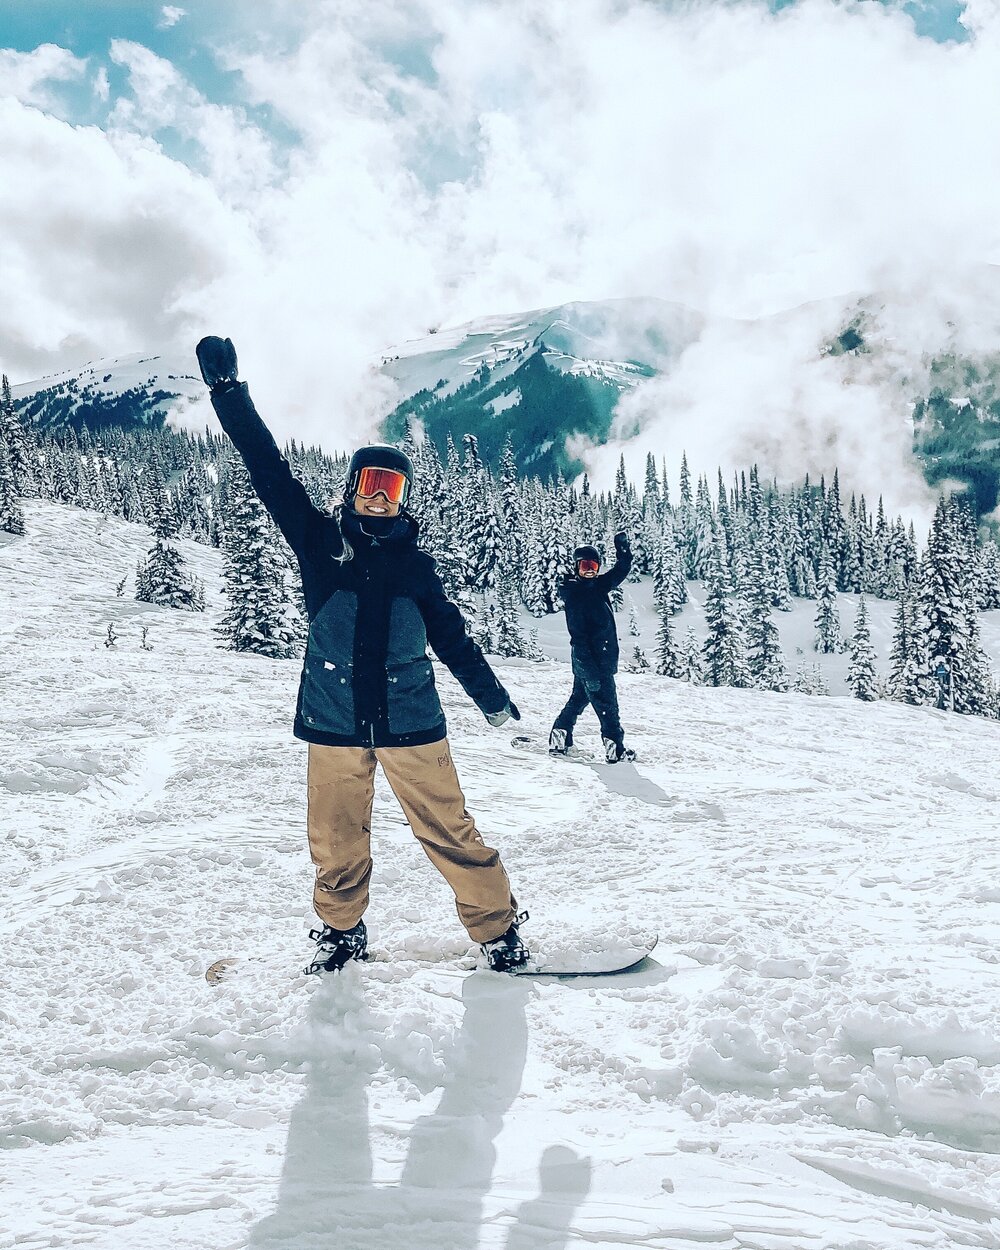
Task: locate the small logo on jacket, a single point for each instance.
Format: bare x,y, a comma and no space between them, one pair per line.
444,760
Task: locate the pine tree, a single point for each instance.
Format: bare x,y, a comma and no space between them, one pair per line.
861,673
21,450
163,578
690,667
724,648
948,604
828,635
809,679
909,676
259,617
766,662
509,639
667,661
11,516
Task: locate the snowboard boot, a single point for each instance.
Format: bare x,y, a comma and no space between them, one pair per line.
336,947
558,742
617,752
507,951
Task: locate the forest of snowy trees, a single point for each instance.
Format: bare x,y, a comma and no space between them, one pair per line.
502,541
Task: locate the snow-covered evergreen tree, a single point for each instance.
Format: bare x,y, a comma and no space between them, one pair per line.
862,676
828,636
764,655
810,680
691,668
163,577
509,638
724,649
948,604
21,452
667,661
11,515
259,616
909,676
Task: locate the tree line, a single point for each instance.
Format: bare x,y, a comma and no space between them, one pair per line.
503,540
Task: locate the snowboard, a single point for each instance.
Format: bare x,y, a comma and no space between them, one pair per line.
601,960
593,957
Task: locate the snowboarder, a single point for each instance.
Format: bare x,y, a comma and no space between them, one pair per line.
594,649
366,695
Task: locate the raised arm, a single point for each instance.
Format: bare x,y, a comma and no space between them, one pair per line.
281,493
623,564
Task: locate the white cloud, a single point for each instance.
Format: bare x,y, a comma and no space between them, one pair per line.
170,15
722,156
29,76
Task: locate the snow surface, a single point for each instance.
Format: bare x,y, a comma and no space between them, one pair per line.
809,1061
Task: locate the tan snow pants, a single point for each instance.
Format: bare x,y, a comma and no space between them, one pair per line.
424,780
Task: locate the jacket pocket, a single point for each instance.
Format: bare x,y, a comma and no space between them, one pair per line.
328,695
413,702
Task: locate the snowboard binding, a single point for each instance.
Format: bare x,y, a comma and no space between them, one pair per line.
337,947
507,952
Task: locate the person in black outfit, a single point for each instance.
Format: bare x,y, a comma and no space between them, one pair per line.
367,694
594,649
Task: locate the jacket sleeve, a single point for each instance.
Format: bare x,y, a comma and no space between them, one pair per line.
446,633
281,493
614,577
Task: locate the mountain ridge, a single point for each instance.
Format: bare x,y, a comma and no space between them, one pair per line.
566,380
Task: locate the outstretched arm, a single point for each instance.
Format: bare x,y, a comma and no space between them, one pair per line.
281,493
623,564
446,633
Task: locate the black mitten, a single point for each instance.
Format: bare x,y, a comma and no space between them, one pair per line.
217,359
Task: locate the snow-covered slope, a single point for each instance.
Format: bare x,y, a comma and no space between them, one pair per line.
124,390
622,340
810,1059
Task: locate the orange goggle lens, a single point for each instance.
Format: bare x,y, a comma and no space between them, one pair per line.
385,481
588,566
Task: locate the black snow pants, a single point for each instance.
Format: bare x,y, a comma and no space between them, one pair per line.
604,701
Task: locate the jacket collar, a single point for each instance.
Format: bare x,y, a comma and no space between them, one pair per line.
373,531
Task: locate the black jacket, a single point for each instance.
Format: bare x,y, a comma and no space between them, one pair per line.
366,679
593,634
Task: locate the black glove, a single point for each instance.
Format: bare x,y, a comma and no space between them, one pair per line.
505,714
621,542
217,359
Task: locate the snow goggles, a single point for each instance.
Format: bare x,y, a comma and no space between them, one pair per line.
389,482
587,566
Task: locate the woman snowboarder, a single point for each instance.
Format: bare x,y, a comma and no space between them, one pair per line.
367,694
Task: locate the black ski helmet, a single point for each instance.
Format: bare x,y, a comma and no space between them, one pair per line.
378,456
585,553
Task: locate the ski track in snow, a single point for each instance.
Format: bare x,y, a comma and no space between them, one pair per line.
809,1061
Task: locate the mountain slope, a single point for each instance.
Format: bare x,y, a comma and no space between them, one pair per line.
125,391
809,1059
886,386
551,376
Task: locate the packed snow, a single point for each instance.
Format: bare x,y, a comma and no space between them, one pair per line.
808,1061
